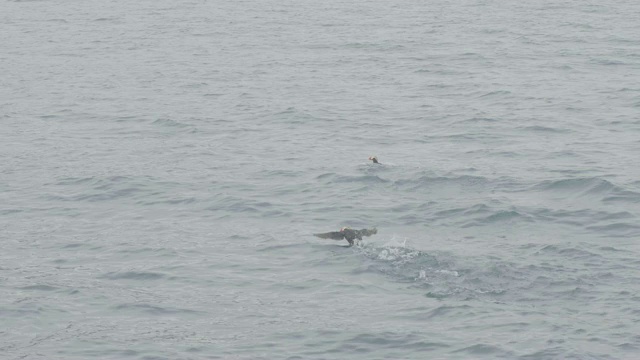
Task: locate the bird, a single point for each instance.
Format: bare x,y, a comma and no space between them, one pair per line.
347,233
374,159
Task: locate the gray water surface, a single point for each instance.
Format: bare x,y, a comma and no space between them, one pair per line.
163,166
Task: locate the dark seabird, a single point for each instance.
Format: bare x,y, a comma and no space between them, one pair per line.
347,233
374,159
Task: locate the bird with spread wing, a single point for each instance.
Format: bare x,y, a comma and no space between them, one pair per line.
348,233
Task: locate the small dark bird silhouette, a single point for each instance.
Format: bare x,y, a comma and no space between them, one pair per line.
347,233
374,159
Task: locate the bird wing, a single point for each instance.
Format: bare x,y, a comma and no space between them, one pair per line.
334,235
367,232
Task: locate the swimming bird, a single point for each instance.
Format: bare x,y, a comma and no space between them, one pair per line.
374,159
348,233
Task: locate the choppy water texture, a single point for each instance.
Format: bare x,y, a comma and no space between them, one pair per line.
164,164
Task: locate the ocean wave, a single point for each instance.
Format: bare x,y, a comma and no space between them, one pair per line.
477,120
169,201
502,215
625,196
41,287
281,247
477,209
394,339
238,204
498,93
545,129
154,309
133,275
144,190
618,229
331,178
568,252
171,123
98,197
582,186
108,182
170,127
440,181
589,188
579,217
482,349
483,215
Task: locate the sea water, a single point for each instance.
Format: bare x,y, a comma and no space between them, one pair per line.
164,164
